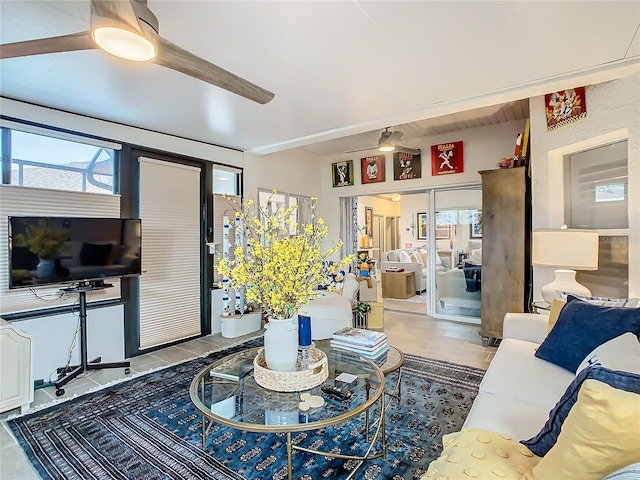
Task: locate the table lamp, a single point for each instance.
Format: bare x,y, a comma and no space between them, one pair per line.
570,250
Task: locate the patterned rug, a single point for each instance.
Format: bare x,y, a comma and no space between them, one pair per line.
147,428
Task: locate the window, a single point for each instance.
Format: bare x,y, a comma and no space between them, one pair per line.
34,159
226,181
596,197
274,201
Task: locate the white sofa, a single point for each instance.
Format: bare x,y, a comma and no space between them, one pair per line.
519,390
411,260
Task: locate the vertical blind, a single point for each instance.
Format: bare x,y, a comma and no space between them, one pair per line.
171,264
25,201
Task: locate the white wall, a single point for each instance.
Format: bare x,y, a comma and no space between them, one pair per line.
483,148
410,206
294,171
612,113
52,337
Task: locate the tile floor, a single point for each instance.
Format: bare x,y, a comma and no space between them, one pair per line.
413,334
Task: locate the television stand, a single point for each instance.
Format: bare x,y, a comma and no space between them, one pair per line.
69,373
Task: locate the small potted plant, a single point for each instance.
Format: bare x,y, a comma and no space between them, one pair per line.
363,239
360,311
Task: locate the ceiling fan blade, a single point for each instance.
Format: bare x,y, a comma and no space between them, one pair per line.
394,137
113,13
63,43
362,149
176,58
412,151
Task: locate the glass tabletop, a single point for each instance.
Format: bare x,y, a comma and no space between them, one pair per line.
245,405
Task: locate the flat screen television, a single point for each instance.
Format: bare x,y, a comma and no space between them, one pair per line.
50,250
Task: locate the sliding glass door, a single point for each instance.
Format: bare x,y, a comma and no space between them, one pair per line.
456,237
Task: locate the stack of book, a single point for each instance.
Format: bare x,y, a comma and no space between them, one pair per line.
235,368
368,343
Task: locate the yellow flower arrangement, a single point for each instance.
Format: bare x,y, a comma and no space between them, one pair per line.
45,241
280,271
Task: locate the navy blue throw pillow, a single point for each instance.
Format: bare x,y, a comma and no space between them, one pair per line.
548,436
581,327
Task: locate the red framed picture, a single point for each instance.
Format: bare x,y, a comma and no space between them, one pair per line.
446,158
565,107
372,169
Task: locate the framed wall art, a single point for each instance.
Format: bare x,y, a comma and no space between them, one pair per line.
446,158
372,169
368,220
475,224
406,166
422,226
565,107
342,173
443,232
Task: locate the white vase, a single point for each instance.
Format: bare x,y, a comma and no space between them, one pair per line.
46,268
281,344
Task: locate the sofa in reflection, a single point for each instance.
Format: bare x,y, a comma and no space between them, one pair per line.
452,288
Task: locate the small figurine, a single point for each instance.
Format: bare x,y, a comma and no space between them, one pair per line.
364,273
339,283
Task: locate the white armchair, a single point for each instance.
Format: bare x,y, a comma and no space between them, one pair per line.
330,311
451,288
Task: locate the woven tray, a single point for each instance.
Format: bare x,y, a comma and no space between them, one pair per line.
291,381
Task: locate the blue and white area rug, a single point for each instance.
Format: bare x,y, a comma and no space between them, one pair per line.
147,428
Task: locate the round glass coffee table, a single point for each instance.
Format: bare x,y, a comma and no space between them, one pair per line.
245,405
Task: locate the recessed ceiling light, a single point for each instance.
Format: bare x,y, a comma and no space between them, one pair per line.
224,179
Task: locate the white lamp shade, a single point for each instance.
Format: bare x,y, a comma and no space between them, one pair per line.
571,249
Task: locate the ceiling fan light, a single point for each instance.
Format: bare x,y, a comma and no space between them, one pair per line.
386,147
124,44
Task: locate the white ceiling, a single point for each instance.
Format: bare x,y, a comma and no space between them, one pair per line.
337,68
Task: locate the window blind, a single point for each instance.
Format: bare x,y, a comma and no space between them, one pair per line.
170,204
14,201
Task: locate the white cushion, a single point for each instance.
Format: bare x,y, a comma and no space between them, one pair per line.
403,256
601,301
392,255
515,372
415,257
508,416
620,353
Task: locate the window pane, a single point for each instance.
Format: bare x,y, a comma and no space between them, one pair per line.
45,162
596,187
611,278
226,181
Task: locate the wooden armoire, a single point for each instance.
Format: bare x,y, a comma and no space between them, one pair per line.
506,233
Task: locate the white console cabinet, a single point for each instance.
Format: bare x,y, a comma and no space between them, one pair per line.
16,373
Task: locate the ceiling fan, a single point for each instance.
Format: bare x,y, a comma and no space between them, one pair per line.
387,143
129,30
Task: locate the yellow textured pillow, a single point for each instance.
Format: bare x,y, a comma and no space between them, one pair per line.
600,435
554,312
480,454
